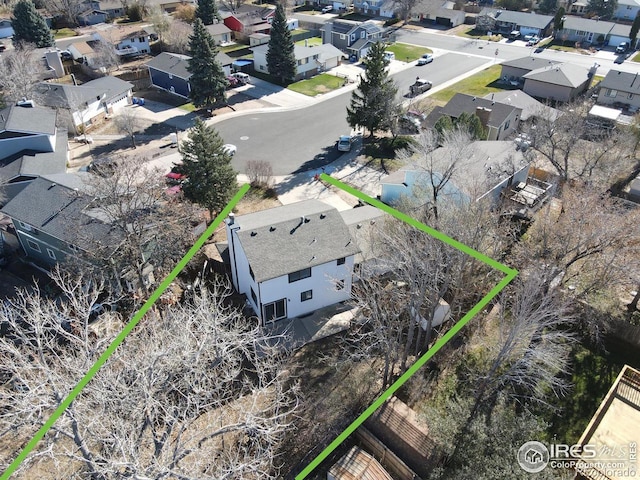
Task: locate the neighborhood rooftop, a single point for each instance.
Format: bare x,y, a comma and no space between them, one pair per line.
565,74
28,119
72,96
461,102
293,237
622,81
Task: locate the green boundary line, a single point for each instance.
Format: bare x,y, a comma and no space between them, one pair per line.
123,334
510,275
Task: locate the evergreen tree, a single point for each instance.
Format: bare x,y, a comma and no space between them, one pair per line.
372,104
548,6
207,11
211,181
208,80
29,26
604,9
281,61
635,26
558,20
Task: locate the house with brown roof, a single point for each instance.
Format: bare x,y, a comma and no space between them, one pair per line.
220,32
562,82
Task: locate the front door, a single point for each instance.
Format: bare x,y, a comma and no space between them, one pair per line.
274,311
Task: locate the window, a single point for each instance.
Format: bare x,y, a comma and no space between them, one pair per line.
51,253
363,34
254,296
611,93
251,272
25,226
353,37
262,67
308,295
170,77
343,36
340,261
33,246
299,275
275,310
339,285
581,32
141,39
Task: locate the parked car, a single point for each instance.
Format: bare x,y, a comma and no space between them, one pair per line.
230,149
327,9
344,143
515,35
242,77
233,81
424,59
420,86
622,48
528,37
533,41
174,178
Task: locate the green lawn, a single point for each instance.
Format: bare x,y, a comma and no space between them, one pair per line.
405,52
189,107
317,85
476,35
63,33
478,85
233,48
636,57
311,42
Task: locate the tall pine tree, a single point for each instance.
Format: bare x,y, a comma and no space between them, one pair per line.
29,26
281,61
373,104
207,11
208,80
633,34
211,181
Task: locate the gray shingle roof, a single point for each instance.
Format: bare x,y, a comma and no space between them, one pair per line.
622,81
467,103
522,19
177,64
62,95
529,63
58,211
217,28
564,74
529,105
286,239
35,120
596,26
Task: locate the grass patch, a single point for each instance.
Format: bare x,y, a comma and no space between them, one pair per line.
189,107
317,85
478,85
233,48
311,42
596,80
562,46
63,33
406,52
478,35
298,31
636,57
381,151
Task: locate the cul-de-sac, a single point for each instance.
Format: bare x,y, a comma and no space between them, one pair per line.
316,239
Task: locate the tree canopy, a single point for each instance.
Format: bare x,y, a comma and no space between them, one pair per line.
635,26
208,80
211,181
468,122
281,61
29,26
207,11
602,8
372,103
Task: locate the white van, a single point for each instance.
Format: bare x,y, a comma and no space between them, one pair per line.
242,77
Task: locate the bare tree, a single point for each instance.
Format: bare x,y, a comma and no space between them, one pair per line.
128,122
67,9
161,23
404,8
178,37
193,393
20,71
105,57
260,173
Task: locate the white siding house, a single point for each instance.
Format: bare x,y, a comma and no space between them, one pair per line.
309,60
291,260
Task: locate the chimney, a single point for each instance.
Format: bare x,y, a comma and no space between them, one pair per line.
483,114
232,218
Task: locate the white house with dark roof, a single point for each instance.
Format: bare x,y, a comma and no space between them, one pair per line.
291,260
83,105
220,32
505,21
531,108
309,60
620,88
587,30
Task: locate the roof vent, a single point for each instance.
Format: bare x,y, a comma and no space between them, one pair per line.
51,186
359,225
232,218
253,234
323,216
272,229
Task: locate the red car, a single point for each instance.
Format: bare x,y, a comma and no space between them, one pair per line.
175,178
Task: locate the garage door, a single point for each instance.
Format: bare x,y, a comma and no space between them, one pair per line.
443,21
616,40
529,31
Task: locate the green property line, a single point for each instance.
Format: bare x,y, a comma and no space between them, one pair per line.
123,334
510,275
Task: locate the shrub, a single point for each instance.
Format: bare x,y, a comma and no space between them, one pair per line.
260,173
391,21
135,12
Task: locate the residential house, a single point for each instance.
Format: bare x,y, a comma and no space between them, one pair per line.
81,106
168,71
30,145
256,39
627,9
561,82
82,52
506,21
613,431
117,8
126,39
370,7
53,219
578,8
357,464
437,12
92,16
620,89
291,260
6,30
355,38
220,32
249,19
309,60
515,70
532,109
589,31
491,167
500,119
